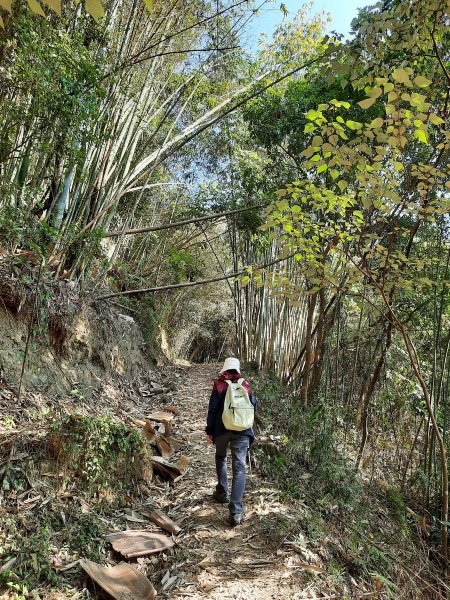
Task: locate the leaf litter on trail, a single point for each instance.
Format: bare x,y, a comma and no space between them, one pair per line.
207,582
135,517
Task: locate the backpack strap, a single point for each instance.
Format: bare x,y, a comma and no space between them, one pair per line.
240,381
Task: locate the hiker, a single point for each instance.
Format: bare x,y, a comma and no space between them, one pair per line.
230,419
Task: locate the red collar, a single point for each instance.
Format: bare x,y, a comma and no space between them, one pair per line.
233,377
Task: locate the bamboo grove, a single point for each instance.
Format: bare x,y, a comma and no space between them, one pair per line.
112,130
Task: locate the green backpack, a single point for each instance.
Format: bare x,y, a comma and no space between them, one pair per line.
238,412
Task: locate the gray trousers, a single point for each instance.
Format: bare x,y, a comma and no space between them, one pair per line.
239,444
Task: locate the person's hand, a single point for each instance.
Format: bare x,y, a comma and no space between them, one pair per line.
209,439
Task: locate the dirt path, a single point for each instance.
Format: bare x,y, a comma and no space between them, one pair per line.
211,559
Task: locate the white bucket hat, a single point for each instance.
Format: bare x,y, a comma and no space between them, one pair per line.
231,363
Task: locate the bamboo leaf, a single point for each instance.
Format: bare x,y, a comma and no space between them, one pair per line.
55,5
149,4
94,8
36,7
6,4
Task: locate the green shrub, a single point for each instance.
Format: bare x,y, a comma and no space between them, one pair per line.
396,503
106,457
307,443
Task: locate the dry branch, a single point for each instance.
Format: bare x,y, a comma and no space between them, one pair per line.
175,286
182,223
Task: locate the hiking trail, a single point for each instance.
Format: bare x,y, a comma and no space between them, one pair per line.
211,559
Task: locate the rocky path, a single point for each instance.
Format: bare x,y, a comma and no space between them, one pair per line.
212,560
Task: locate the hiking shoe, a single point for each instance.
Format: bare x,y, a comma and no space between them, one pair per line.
220,497
236,519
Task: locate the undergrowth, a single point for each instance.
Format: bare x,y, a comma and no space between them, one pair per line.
37,546
365,524
106,458
73,475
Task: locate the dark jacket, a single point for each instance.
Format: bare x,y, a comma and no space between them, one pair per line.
214,425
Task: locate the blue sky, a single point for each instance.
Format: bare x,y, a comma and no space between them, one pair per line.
342,12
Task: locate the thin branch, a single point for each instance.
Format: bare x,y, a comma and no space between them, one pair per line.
138,56
182,223
187,51
176,286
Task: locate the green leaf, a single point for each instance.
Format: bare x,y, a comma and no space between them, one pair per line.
334,174
322,168
435,119
342,184
421,136
401,76
367,103
94,8
312,115
375,92
422,82
376,123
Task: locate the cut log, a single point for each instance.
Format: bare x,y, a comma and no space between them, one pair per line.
123,582
135,543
